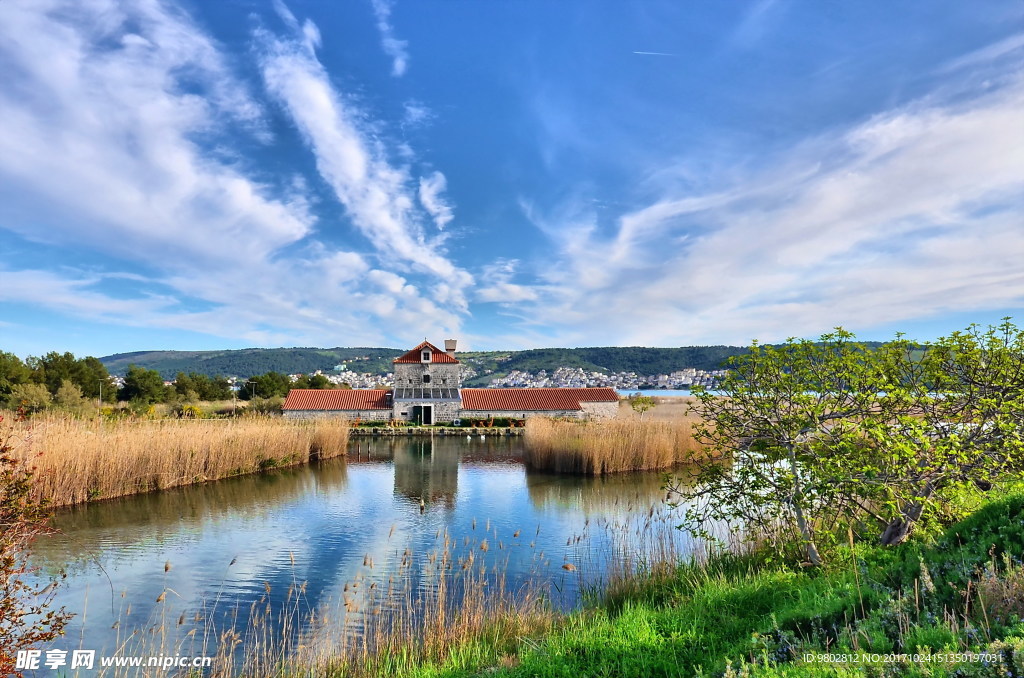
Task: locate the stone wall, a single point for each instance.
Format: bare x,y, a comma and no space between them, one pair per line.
442,375
510,414
363,415
600,410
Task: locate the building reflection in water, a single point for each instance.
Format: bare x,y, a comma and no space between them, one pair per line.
426,471
427,468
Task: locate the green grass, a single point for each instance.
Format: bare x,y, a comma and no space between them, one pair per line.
753,616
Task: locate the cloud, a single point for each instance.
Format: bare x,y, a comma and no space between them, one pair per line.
353,161
112,150
909,214
431,189
104,109
393,47
416,114
498,287
756,21
986,55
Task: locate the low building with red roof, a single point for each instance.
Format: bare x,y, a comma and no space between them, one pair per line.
428,390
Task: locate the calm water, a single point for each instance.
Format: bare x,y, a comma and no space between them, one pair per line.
210,552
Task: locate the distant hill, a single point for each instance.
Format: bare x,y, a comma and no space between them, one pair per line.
252,361
247,362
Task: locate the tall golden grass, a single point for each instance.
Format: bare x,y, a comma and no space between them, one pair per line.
609,446
77,460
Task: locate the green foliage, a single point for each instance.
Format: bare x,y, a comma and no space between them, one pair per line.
201,387
89,374
12,372
69,395
835,432
499,422
246,362
753,615
29,397
641,403
269,385
143,386
312,381
265,406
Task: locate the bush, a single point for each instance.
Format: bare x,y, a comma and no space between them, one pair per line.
25,617
29,397
265,406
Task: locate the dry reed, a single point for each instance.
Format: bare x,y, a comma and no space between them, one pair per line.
78,461
611,446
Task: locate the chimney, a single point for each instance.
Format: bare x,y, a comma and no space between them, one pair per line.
449,346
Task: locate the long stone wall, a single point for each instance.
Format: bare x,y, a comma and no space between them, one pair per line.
364,415
509,414
600,410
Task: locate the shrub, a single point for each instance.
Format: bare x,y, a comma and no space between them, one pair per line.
25,617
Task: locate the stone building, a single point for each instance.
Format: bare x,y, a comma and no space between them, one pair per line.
428,390
427,382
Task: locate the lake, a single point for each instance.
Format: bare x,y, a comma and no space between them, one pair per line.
178,567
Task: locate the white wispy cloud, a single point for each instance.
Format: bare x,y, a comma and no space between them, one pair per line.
392,46
416,114
354,161
432,188
497,284
911,213
100,132
116,118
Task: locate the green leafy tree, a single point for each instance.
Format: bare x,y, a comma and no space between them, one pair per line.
89,374
219,389
29,397
269,385
12,372
69,395
202,387
26,617
642,403
819,434
95,381
143,385
961,425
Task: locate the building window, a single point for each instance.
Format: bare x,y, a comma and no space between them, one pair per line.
426,356
426,378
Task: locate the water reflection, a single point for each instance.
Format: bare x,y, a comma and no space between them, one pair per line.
195,560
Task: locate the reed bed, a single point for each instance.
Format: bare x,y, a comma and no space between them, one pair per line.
78,461
610,446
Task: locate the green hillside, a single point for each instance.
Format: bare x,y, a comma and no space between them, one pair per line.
251,361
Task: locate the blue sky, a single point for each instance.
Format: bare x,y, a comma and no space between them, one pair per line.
514,173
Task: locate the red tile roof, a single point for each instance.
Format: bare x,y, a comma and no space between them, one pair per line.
336,399
438,356
533,399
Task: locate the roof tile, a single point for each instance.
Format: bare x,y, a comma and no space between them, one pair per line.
336,399
438,356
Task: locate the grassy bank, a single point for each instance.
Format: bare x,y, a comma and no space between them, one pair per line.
757,614
79,460
609,446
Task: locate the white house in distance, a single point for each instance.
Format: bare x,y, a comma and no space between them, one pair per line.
428,390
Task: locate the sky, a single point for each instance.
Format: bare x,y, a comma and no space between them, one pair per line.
178,174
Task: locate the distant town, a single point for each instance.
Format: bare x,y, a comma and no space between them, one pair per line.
562,377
